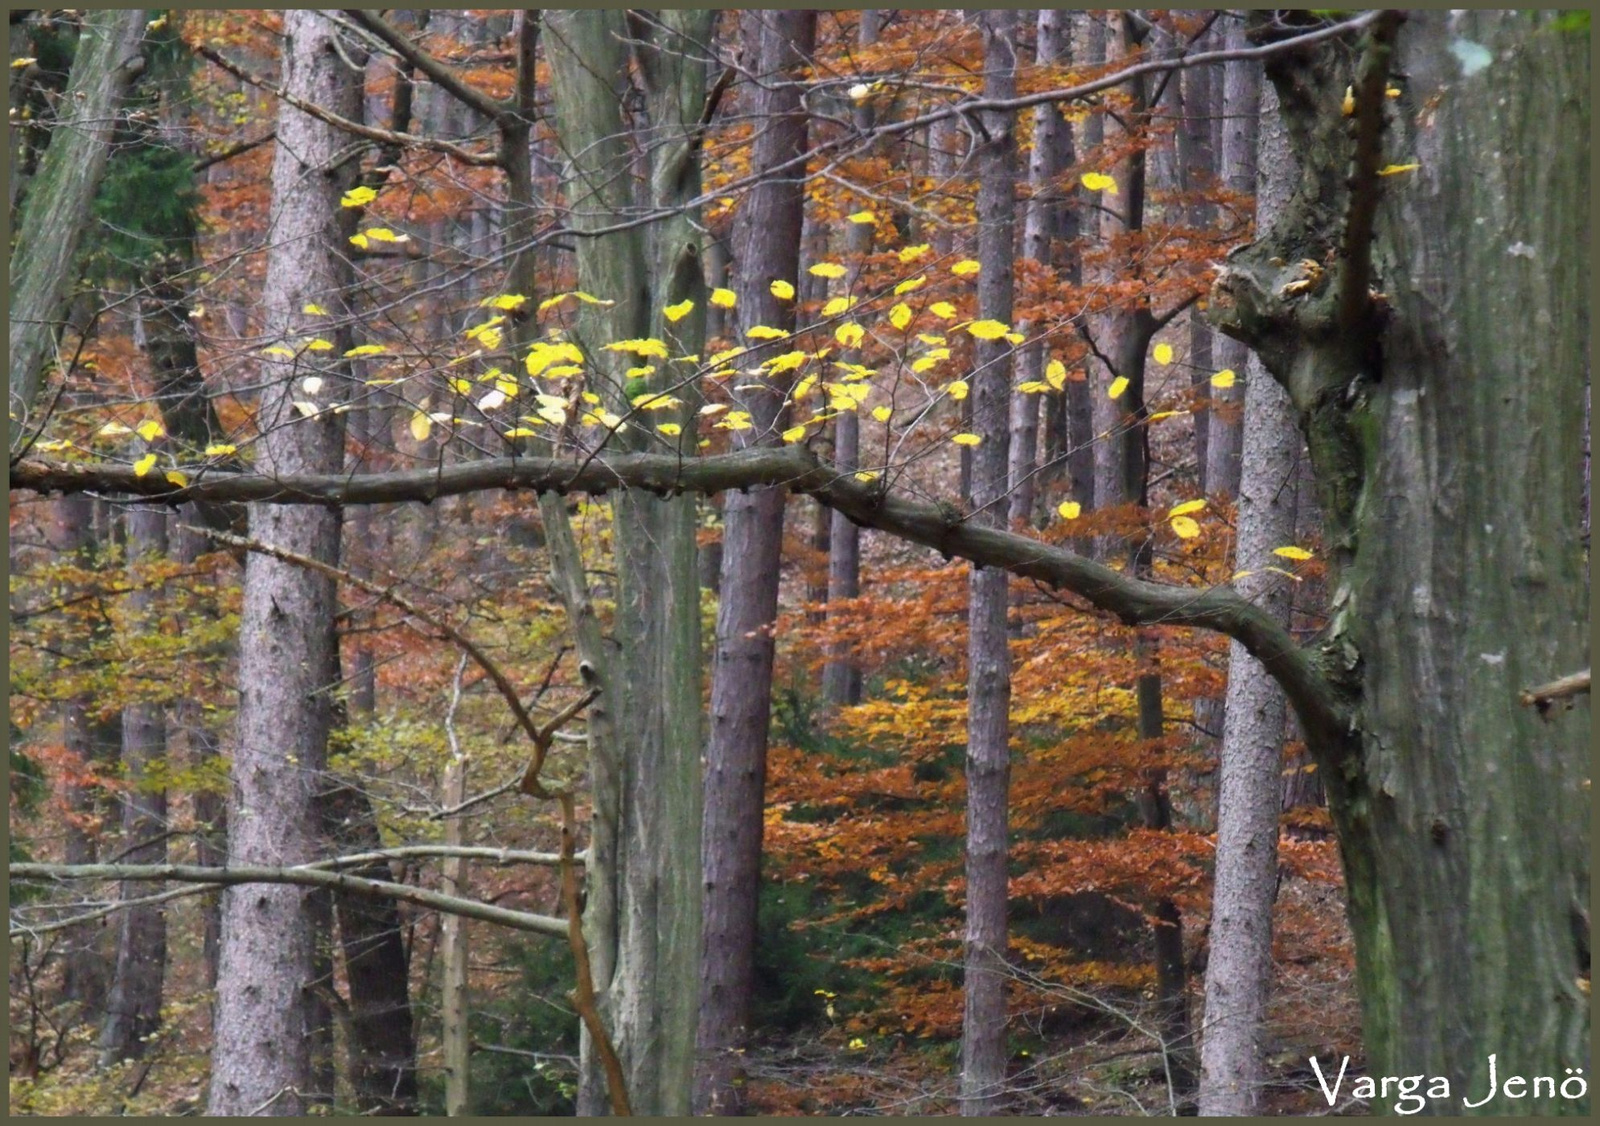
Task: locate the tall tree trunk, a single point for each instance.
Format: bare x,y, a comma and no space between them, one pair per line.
453,1001
1445,426
642,915
1239,971
262,1062
766,246
841,676
1241,99
988,767
1197,171
133,1008
55,211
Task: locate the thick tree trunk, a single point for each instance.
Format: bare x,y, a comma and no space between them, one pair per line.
988,767
1445,423
56,208
1239,971
1241,85
133,1007
766,246
266,1020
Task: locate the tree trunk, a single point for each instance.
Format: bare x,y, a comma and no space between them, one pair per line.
456,1032
1241,99
1197,172
55,211
133,1007
766,246
1445,423
1239,970
266,1019
841,676
988,767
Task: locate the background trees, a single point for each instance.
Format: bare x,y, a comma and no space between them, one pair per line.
499,289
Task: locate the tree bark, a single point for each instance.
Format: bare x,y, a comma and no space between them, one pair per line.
55,211
1444,422
766,246
133,1007
1239,969
266,1019
988,763
1241,98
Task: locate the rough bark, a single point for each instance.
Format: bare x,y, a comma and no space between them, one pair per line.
1241,85
266,1022
988,761
766,246
1239,970
455,1032
1445,424
1201,96
56,208
133,1006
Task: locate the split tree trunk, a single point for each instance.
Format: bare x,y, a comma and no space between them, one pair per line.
988,766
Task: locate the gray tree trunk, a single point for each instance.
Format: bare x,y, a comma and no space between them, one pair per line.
1239,970
1241,85
766,246
1197,171
56,208
1445,426
266,1022
133,1006
988,765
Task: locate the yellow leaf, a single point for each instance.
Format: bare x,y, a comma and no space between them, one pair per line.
1099,182
1187,507
150,429
782,290
591,299
882,414
421,426
1392,92
1055,373
1223,379
794,433
176,478
765,332
1186,528
359,240
656,401
942,309
966,439
827,270
1348,105
278,350
384,234
144,465
670,429
912,253
221,449
1069,509
958,390
900,315
25,61
838,305
966,267
365,350
521,432
319,345
859,91
713,408
491,400
307,410
866,475
1033,387
641,347
786,362
314,310
1295,553
1159,415
724,298
676,313
850,335
358,197
930,338
1396,169
932,360
508,301
1118,386
862,217
1163,354
988,330
910,284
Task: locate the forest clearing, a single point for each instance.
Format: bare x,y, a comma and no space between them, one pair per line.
792,562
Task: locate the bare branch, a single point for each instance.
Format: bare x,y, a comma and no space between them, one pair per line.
442,75
1543,696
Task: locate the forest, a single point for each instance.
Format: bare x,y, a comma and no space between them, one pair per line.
799,562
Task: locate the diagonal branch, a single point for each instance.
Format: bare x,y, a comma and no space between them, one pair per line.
441,74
